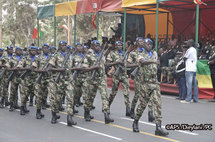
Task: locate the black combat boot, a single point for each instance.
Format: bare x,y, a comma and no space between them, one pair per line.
107,118
22,111
132,113
31,102
6,102
159,131
63,99
151,117
70,122
25,109
16,106
135,126
54,117
128,113
2,103
87,115
11,106
39,115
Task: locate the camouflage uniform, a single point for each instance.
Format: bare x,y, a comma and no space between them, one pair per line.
3,61
56,90
123,78
15,62
81,84
100,83
5,81
132,59
27,85
41,90
150,89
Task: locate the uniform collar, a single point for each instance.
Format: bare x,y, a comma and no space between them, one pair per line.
120,52
32,58
80,55
18,57
63,53
96,52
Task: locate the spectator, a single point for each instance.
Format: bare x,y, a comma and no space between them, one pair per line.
180,77
190,58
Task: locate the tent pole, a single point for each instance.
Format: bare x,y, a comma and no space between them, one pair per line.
167,27
74,30
157,12
197,23
124,30
38,32
97,23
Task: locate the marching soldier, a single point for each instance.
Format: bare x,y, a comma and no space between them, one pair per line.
2,66
57,89
150,88
100,81
133,62
27,86
14,64
114,59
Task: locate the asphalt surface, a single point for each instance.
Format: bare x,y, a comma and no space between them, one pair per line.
16,128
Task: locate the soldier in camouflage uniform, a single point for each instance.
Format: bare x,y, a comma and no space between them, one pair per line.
133,62
150,88
27,85
114,59
57,89
14,64
100,82
41,90
5,83
2,66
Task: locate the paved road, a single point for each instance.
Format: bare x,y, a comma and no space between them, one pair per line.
16,128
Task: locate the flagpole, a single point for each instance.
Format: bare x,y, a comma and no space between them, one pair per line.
97,23
74,30
38,30
55,28
157,13
197,23
68,32
124,30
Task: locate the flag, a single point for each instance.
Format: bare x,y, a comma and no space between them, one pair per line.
35,32
94,17
65,27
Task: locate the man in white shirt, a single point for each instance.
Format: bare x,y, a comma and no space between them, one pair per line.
190,58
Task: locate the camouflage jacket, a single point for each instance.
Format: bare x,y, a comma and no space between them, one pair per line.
114,56
148,73
57,61
76,60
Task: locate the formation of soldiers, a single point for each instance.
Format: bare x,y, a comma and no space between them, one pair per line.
75,72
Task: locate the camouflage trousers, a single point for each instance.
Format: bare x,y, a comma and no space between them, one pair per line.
81,87
150,91
4,87
65,88
26,89
125,87
41,93
99,84
137,93
14,90
53,95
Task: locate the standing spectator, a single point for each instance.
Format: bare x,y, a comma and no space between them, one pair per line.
212,68
180,76
190,58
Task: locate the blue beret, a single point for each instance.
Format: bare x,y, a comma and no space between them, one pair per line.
18,48
68,47
96,42
73,47
118,42
32,47
138,38
53,47
45,44
62,42
78,43
147,40
1,49
39,48
10,47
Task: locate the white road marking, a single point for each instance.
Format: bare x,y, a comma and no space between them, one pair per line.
98,133
152,124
